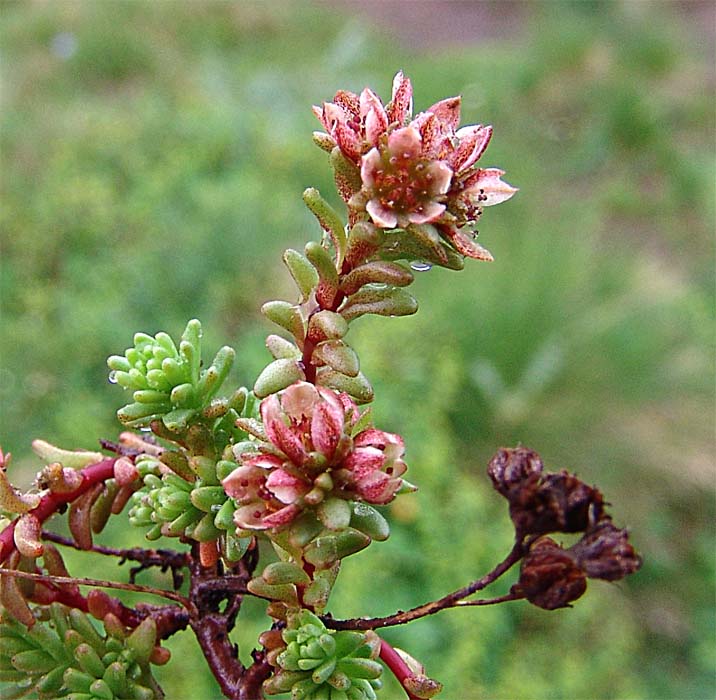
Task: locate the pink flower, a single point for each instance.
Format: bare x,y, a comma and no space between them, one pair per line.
401,186
310,453
356,123
422,171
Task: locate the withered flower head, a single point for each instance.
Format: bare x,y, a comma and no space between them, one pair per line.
542,502
604,552
510,468
550,577
311,452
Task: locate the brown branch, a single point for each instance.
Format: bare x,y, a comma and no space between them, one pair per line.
162,558
99,583
454,599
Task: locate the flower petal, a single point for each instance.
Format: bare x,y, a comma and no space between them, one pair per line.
381,215
472,144
283,436
447,112
244,482
405,143
401,103
466,244
431,211
371,164
373,116
299,400
378,488
286,487
486,188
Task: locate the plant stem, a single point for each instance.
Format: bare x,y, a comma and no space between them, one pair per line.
395,663
451,600
52,502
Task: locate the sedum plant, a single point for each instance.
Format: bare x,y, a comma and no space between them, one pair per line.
265,490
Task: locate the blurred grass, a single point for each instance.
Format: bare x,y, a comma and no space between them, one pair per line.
153,160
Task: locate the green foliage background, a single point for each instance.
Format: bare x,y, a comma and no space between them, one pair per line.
153,158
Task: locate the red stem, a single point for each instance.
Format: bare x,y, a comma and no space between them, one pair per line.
395,663
51,502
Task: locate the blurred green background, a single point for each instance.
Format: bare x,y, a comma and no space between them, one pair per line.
153,158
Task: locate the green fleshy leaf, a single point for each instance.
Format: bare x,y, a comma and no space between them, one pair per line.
276,376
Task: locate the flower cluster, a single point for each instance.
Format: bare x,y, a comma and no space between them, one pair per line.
420,170
542,502
315,445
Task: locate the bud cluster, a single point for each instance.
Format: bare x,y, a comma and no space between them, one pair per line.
168,383
187,500
63,655
315,663
542,502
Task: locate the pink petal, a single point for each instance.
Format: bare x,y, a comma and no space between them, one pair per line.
348,101
327,428
262,461
428,212
466,244
283,436
440,176
378,438
430,133
378,488
405,142
382,216
374,116
473,142
348,141
299,400
350,408
286,487
401,103
371,165
282,517
332,116
255,516
363,461
447,112
251,516
244,483
486,188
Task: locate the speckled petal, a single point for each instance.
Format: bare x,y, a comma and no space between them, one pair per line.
373,115
382,216
401,103
447,112
244,483
431,211
371,163
473,142
286,487
487,189
405,142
